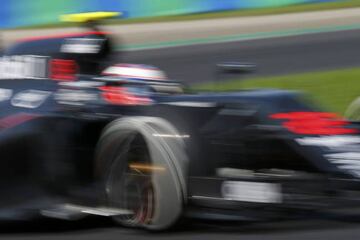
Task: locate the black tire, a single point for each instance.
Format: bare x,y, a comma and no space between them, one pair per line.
143,168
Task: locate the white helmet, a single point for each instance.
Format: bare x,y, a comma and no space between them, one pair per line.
135,71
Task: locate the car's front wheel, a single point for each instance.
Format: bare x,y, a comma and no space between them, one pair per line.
143,170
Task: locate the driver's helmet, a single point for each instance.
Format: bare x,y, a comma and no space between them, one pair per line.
136,72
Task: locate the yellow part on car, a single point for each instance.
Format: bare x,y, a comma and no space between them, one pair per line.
88,16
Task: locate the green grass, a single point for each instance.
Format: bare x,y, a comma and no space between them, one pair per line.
225,14
334,90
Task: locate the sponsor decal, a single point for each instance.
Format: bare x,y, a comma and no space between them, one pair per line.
24,66
82,84
74,97
349,161
258,192
343,151
123,96
5,94
82,45
314,123
63,70
30,98
331,142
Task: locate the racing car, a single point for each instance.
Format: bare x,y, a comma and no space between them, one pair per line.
82,136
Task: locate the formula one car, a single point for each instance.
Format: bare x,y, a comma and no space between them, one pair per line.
80,136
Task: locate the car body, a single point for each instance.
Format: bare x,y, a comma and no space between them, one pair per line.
80,135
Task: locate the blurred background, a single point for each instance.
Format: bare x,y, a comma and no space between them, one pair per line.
186,38
309,45
19,13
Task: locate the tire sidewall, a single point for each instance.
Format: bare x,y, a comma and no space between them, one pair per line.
169,185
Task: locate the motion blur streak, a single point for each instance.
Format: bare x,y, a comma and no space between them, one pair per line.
146,167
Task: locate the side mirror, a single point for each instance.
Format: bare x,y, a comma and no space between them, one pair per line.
236,67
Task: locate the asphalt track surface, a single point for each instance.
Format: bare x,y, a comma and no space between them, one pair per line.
196,64
276,56
104,229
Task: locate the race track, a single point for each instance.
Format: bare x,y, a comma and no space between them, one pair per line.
274,56
100,229
196,64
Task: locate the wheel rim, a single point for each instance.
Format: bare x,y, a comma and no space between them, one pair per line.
130,188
